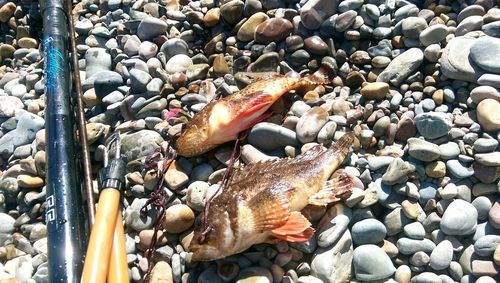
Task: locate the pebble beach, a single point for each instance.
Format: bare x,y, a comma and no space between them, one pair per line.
418,82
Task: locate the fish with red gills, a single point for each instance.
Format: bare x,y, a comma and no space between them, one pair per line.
263,200
222,120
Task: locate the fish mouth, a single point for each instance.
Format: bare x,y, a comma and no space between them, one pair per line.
204,252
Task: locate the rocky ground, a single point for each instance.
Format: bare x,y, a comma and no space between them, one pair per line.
417,81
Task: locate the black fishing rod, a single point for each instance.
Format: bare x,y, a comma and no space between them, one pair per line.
64,213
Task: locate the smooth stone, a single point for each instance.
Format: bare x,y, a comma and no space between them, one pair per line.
486,245
6,223
345,20
412,27
106,83
139,80
151,27
489,80
488,159
178,63
436,169
310,124
458,170
409,246
481,93
9,105
267,62
419,259
273,30
483,206
147,50
414,230
247,30
375,90
433,34
97,60
315,12
174,46
140,144
483,145
433,125
395,220
178,218
426,277
161,273
368,231
488,114
423,150
442,255
316,45
333,264
492,29
459,218
268,136
403,274
232,11
27,126
402,66
455,63
372,263
494,215
449,150
397,172
254,274
469,24
332,230
485,52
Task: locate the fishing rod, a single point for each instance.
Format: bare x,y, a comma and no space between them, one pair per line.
64,213
82,128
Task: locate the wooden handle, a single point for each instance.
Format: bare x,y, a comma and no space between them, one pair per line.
98,255
118,267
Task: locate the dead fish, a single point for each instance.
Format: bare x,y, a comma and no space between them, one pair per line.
222,120
263,200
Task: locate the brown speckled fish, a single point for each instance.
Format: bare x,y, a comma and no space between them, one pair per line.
263,201
222,120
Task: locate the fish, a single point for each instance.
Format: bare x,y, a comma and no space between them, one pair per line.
263,200
222,120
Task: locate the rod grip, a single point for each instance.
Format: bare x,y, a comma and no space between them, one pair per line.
118,267
98,255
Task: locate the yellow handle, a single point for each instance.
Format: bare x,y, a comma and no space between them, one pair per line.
96,264
118,267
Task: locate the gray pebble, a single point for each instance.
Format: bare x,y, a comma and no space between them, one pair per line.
442,255
368,231
371,263
459,218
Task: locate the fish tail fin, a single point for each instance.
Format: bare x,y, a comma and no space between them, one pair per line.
324,75
343,144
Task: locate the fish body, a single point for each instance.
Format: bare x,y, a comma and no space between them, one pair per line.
263,200
222,120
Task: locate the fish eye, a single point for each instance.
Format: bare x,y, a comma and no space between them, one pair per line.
198,221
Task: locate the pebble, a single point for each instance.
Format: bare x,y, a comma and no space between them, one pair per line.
488,115
368,231
423,150
375,91
433,34
315,12
409,246
455,62
151,27
442,255
267,136
333,264
372,263
433,125
485,53
458,169
397,172
310,124
402,66
459,218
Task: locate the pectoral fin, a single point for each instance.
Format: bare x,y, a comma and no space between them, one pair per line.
296,229
270,209
340,184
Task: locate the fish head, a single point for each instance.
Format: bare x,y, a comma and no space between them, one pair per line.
212,239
